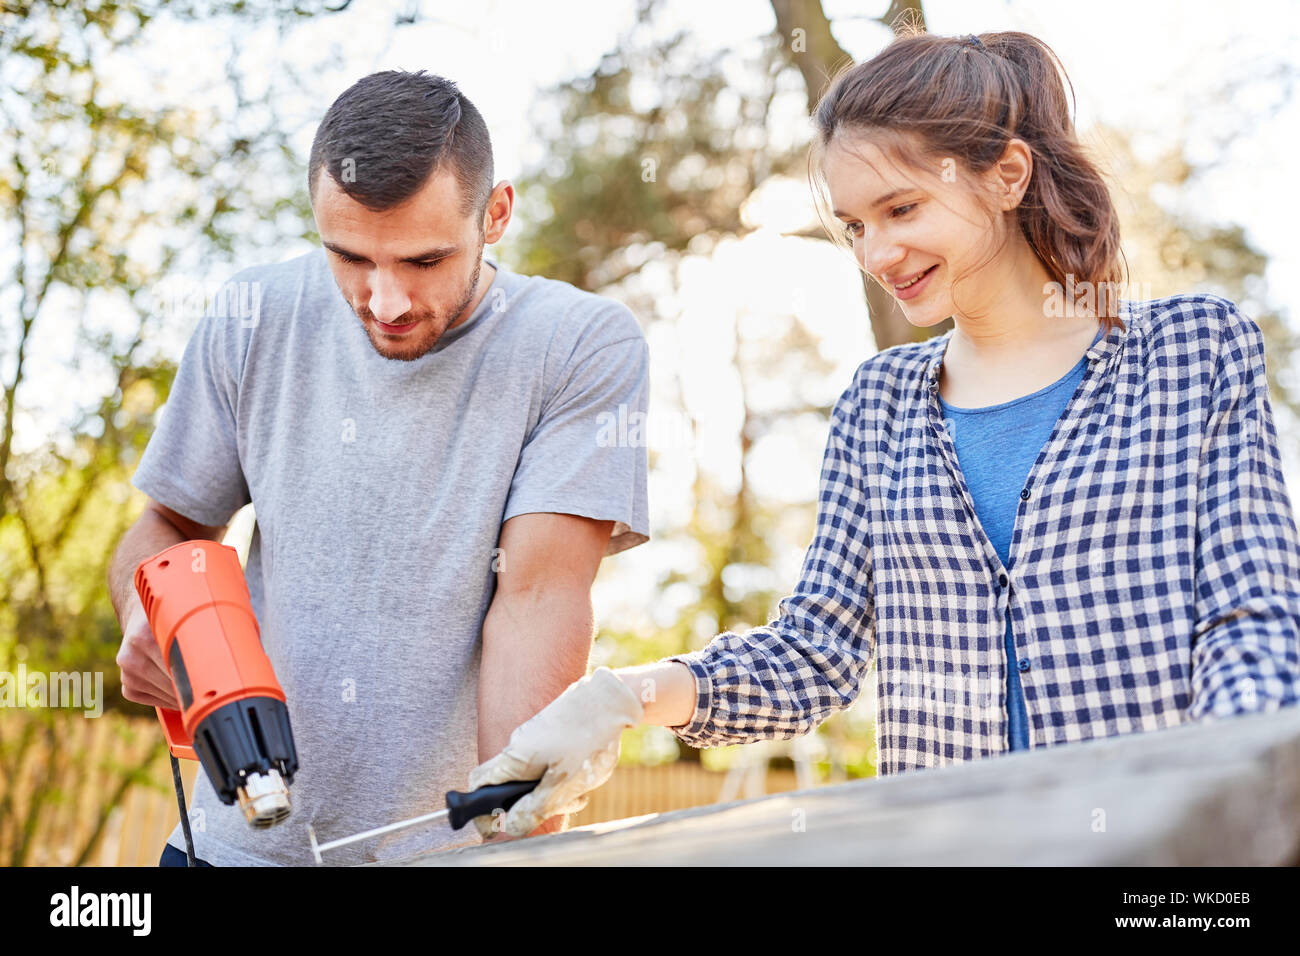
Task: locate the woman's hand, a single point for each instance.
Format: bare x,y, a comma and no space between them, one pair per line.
571,745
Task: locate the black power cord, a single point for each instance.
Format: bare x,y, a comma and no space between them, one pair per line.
185,819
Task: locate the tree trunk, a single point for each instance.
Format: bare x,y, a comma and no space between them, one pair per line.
808,44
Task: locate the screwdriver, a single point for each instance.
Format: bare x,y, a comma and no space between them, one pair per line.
461,808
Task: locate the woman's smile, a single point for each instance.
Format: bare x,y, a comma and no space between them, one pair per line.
916,285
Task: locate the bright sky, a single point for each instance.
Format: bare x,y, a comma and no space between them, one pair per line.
1132,65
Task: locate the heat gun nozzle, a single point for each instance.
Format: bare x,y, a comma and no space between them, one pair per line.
264,798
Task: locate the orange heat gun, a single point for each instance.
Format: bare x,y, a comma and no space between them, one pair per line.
233,717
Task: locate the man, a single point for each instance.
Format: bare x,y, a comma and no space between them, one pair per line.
417,429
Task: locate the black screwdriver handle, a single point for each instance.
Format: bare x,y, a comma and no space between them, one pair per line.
465,807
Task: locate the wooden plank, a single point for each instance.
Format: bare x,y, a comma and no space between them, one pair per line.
1225,793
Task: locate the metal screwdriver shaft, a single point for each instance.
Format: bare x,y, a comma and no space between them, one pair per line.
461,808
316,850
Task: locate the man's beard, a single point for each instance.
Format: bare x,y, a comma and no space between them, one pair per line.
433,324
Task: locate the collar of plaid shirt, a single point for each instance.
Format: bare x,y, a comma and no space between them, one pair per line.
1156,557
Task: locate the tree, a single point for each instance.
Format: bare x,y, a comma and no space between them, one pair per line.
106,188
649,160
806,42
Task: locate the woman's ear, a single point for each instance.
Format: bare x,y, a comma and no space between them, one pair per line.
1010,174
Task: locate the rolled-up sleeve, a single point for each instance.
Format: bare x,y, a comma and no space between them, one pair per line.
1246,643
783,679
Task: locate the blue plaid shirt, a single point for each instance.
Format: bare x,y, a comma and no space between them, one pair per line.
1156,560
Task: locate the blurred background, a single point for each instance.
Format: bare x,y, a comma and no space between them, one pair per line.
659,149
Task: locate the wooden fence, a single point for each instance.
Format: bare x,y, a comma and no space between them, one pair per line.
69,780
109,779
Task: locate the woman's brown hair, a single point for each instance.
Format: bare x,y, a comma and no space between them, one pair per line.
934,98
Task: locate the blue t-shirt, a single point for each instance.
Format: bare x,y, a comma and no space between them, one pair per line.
996,448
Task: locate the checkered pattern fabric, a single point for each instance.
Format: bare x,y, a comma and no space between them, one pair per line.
1155,564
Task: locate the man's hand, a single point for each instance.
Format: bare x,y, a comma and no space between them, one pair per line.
571,745
144,678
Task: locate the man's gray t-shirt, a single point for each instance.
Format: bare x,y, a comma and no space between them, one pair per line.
380,487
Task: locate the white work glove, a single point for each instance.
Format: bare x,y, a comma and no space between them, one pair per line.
571,745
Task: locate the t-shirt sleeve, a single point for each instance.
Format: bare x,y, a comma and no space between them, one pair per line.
587,454
191,464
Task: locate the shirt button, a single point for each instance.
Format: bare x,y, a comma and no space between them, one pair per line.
1024,493
1023,665
1002,580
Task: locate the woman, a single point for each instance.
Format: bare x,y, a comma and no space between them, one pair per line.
1063,519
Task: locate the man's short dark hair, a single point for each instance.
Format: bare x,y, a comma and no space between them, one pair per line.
385,135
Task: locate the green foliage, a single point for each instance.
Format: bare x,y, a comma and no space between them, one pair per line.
105,194
652,152
1172,253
